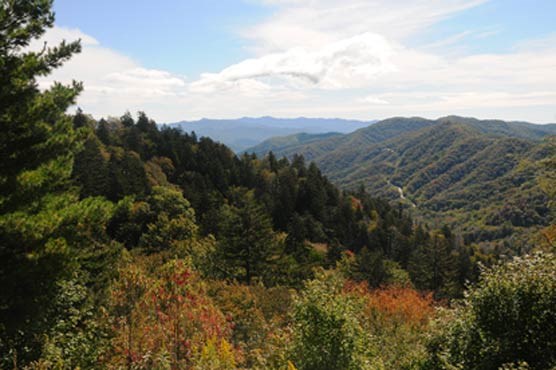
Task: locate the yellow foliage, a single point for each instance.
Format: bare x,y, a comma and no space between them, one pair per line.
217,355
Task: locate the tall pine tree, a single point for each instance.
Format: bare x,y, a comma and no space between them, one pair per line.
44,230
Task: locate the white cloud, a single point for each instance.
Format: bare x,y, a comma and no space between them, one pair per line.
347,63
374,100
328,58
315,23
113,82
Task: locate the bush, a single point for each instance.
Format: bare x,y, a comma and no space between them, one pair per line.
326,332
508,318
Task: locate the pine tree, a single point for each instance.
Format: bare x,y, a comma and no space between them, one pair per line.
35,146
127,174
41,219
370,267
90,169
103,132
247,242
432,265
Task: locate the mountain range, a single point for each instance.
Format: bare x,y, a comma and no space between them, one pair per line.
486,177
242,133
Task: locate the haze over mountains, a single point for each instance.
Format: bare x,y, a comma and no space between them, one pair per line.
242,133
486,176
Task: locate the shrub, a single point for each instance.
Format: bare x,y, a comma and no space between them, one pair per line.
509,317
326,332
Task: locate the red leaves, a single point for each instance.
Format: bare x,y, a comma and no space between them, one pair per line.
182,278
173,314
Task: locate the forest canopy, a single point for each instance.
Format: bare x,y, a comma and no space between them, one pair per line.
126,244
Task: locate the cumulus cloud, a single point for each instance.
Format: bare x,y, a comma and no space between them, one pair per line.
347,63
327,58
113,82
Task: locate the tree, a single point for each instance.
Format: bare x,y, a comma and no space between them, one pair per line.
326,332
247,242
173,221
37,137
163,319
127,174
90,168
370,267
45,232
509,317
433,266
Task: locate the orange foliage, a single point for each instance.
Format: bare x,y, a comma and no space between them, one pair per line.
549,234
400,304
356,204
164,317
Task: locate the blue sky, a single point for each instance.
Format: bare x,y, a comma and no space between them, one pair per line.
353,59
185,37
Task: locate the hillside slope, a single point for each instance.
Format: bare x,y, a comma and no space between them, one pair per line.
483,177
290,142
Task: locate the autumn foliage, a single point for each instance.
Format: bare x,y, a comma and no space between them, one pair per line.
165,319
402,304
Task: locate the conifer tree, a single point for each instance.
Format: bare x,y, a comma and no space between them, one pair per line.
246,239
39,215
91,168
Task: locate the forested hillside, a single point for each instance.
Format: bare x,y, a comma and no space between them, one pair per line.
264,200
124,245
280,143
486,179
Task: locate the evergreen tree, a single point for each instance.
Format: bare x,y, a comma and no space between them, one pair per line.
45,233
295,241
370,267
247,242
432,266
81,120
90,169
103,132
127,174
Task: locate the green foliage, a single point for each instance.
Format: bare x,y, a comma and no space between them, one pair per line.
509,317
258,315
38,221
173,220
37,137
289,143
91,169
77,339
209,246
127,173
488,178
247,243
432,265
326,332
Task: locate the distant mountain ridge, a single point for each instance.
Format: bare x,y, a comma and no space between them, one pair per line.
474,174
291,141
242,133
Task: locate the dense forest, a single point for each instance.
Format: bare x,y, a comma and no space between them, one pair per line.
127,245
488,180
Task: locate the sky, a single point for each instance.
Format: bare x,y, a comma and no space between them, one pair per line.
360,59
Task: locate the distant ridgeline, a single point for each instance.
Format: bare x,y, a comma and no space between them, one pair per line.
489,179
242,133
